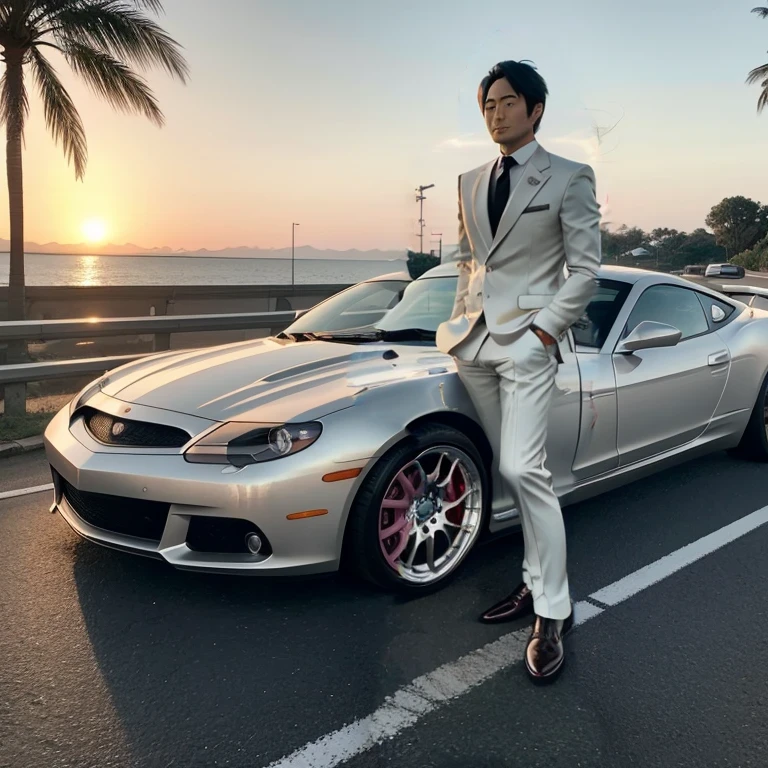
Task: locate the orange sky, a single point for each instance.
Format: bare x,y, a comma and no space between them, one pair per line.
332,116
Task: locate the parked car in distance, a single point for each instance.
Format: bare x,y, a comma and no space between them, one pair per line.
734,271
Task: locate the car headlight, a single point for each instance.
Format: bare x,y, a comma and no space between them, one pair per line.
240,444
86,393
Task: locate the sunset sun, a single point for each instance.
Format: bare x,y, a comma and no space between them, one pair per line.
94,230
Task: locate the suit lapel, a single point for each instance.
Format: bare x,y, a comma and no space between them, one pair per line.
535,175
480,205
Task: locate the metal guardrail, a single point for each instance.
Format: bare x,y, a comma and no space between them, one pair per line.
49,330
162,326
22,373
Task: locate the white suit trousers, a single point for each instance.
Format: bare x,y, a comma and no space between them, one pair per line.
511,387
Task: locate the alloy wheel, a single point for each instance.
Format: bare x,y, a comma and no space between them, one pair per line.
430,515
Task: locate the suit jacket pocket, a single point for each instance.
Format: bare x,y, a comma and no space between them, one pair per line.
534,300
534,208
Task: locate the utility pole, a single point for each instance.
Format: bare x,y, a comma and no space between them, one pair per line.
293,251
420,198
440,252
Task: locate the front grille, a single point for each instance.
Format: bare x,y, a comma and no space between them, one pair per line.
137,434
130,517
223,535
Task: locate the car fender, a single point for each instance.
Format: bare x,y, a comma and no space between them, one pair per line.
746,340
380,418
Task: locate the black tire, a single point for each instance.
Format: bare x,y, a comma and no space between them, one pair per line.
362,550
754,441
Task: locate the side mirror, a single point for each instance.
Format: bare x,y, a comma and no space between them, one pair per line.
647,335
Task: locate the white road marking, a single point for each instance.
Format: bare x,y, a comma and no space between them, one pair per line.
409,704
26,491
584,611
429,692
666,566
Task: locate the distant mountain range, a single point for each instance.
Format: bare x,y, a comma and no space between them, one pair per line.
242,252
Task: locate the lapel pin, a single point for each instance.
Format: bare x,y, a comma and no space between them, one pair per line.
533,181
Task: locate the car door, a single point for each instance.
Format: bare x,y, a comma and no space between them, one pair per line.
666,396
597,451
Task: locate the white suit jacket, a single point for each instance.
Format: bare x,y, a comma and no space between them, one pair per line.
552,220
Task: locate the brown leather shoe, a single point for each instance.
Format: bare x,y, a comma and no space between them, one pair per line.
516,605
545,654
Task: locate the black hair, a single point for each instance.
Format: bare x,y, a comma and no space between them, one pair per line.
526,81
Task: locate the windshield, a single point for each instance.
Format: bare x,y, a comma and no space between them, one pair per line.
426,303
361,305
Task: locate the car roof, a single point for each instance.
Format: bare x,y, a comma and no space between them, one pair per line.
606,271
403,275
632,274
446,269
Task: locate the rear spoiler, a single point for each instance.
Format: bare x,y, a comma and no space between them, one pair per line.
751,295
747,290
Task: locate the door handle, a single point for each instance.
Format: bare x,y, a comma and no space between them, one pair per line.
718,358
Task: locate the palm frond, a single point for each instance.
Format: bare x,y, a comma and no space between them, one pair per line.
156,6
760,75
16,15
45,10
61,116
757,74
119,29
114,81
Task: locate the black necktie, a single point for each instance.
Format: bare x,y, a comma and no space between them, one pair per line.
497,201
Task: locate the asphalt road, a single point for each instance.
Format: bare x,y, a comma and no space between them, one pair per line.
757,279
24,471
108,659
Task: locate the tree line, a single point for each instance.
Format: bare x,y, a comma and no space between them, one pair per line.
739,234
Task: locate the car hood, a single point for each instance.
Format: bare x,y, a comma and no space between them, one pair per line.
269,380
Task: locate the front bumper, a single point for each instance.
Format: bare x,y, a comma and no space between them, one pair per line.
262,494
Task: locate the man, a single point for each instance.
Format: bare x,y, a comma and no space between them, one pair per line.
523,218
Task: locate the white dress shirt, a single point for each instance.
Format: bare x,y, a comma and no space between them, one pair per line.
523,155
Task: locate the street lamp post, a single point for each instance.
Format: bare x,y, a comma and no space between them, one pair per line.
440,251
293,251
420,198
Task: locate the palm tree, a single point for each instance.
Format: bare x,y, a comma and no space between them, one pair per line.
760,74
100,40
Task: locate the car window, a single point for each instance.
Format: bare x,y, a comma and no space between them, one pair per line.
592,329
674,306
708,302
760,302
426,303
362,304
724,270
382,297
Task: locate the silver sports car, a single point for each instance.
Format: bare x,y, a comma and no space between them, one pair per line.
348,439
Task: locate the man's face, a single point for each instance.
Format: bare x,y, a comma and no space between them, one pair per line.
506,114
